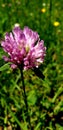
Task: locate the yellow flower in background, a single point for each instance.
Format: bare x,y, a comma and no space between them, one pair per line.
43,10
56,23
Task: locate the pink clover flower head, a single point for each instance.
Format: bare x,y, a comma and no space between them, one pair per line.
24,47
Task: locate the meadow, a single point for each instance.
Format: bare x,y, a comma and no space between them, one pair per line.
44,94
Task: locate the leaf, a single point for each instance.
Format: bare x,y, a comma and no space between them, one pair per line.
59,127
38,125
14,117
4,67
60,90
32,97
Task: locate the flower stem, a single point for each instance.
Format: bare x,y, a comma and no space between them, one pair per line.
25,97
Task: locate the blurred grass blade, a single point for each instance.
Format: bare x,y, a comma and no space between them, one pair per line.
38,125
60,90
15,118
4,67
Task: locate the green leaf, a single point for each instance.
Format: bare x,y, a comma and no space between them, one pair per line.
32,97
4,67
59,127
38,125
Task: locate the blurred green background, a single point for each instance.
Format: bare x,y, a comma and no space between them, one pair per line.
45,96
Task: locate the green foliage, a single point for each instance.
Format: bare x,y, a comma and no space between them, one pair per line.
45,96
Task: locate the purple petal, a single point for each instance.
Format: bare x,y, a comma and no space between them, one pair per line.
31,36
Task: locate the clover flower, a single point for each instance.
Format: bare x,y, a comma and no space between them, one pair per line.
24,47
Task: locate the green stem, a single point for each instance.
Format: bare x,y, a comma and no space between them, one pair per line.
25,96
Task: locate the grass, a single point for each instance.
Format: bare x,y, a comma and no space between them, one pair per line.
45,96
